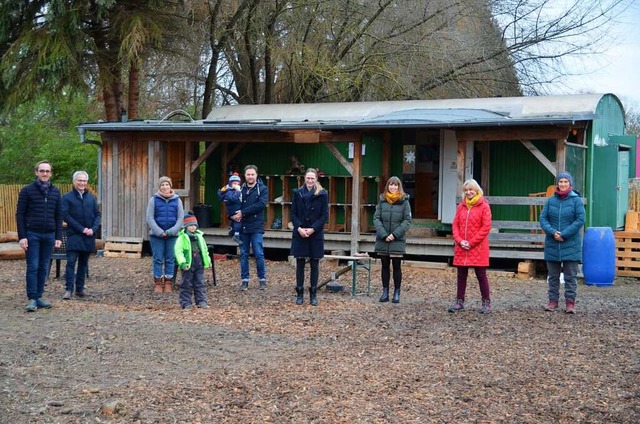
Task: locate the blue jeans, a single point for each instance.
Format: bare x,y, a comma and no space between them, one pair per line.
82,258
163,256
570,269
38,259
255,240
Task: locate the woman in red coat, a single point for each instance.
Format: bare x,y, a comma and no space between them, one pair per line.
471,227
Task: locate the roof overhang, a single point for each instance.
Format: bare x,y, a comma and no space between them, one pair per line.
362,116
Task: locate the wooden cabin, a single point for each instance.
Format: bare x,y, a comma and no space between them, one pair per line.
512,146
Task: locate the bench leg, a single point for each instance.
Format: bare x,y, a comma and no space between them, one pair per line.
353,278
369,278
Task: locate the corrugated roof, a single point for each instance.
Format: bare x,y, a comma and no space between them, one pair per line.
502,111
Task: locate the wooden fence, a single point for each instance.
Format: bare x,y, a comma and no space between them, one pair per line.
9,203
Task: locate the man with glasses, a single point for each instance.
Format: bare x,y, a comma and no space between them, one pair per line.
39,219
80,212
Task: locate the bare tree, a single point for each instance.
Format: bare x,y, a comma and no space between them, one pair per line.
194,55
541,35
348,50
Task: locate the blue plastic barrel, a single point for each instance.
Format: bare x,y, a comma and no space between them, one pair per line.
599,256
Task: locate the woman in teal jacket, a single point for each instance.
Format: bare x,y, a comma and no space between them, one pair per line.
561,219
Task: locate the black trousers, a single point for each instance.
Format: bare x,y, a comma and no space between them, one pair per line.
386,261
314,273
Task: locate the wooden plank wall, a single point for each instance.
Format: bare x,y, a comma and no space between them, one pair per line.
9,203
126,188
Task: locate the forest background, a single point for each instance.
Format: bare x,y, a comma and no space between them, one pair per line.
67,62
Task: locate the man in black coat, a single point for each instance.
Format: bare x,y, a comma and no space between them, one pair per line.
39,221
82,215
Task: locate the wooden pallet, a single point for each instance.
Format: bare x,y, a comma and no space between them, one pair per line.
627,253
123,247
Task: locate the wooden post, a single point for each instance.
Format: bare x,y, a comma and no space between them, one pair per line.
560,155
355,195
462,155
189,187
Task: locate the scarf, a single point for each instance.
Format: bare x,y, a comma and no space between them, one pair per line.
562,194
44,187
166,196
473,201
392,198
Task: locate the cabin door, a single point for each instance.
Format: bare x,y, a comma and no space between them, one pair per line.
427,174
176,163
622,186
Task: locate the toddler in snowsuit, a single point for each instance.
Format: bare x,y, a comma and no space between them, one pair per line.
231,196
192,256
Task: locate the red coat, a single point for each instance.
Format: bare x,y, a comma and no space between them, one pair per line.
472,225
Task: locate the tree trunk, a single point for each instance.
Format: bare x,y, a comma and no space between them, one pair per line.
134,89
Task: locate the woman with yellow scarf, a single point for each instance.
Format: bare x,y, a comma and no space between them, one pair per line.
471,226
392,219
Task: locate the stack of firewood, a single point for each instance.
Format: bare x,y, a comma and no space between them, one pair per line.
9,247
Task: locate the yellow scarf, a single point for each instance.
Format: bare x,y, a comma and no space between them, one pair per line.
392,197
472,202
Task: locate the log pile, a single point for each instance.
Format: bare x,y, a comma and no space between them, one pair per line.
9,247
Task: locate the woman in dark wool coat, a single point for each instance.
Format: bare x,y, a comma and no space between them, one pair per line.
309,213
392,219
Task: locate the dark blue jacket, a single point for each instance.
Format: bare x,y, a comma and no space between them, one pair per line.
232,199
567,216
38,213
314,216
80,212
254,200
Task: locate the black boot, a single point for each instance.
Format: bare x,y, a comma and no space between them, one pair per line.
396,295
385,294
300,298
313,291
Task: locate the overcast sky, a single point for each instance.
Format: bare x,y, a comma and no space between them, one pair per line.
616,71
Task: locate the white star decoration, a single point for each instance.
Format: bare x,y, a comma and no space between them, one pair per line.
410,157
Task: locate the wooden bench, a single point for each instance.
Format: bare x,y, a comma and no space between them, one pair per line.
516,232
355,262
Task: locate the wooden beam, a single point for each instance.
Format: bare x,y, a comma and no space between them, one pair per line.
340,158
224,159
512,133
386,160
485,174
355,196
305,137
540,156
561,152
261,136
234,152
462,148
210,149
188,186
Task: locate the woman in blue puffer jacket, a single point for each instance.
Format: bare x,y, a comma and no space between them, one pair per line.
561,219
164,217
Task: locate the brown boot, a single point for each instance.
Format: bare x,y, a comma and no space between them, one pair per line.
158,285
168,284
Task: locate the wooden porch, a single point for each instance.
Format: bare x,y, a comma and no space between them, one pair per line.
503,245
